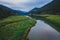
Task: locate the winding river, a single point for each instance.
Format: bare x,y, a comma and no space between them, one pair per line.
43,31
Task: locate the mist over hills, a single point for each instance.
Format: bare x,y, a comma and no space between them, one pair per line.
5,12
19,12
51,8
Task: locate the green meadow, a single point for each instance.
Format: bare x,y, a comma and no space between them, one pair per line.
14,27
53,20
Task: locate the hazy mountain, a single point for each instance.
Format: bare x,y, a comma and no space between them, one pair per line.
51,8
5,12
20,12
33,11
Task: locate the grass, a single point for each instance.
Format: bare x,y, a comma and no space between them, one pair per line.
15,30
53,20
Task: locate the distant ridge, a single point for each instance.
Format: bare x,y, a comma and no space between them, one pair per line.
51,8
6,12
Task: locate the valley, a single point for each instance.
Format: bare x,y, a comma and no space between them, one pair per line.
40,23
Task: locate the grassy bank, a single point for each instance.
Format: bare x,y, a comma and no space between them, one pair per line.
53,20
15,27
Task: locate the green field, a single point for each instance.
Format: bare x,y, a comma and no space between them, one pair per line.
14,27
53,20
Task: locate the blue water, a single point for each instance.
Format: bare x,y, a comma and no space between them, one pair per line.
43,31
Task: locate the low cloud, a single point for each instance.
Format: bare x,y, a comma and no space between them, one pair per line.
24,5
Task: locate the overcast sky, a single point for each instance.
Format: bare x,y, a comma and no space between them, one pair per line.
24,5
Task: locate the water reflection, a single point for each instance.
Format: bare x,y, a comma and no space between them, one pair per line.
42,31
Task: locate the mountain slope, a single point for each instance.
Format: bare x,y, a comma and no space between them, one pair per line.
50,8
5,11
12,26
19,12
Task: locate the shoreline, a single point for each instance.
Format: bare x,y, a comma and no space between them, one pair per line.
24,37
51,23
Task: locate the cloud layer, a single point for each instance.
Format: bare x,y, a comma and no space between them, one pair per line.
24,5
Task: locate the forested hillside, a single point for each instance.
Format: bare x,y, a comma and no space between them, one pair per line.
51,8
5,11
